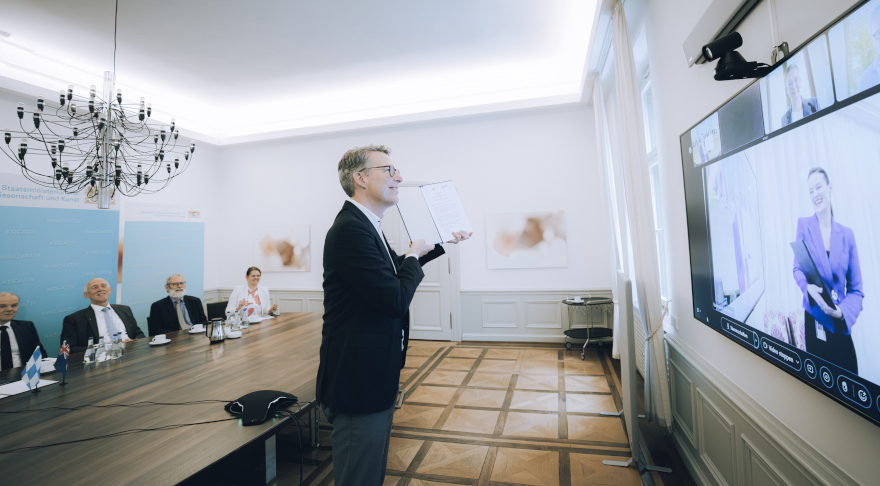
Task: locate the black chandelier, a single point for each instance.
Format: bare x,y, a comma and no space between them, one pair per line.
102,145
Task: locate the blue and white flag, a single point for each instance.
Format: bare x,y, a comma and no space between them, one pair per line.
31,373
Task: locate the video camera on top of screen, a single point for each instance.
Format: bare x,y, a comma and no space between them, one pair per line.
731,64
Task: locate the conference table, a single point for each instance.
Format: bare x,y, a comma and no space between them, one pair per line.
277,354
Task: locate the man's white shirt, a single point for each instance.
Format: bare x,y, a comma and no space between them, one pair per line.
377,223
13,345
102,324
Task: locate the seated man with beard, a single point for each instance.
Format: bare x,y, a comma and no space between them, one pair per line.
177,311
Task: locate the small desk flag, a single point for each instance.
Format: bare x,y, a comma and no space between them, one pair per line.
61,362
31,373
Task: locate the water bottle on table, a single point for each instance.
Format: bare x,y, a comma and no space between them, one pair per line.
89,357
100,351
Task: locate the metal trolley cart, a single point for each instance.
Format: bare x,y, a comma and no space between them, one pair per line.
592,333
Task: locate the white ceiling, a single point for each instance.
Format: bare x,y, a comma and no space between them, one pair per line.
235,71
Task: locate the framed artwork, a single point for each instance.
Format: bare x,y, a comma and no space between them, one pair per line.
526,240
283,248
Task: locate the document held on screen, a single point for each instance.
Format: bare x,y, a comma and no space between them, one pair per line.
431,212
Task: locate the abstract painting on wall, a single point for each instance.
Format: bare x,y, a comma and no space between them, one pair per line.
282,248
526,240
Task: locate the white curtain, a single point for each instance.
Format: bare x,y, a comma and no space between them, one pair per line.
603,149
639,211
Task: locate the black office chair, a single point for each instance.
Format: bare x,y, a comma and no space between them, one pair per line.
217,309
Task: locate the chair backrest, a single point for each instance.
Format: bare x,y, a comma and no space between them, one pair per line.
149,326
776,326
798,332
217,309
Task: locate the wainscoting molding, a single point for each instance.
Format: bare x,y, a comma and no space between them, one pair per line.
727,438
524,315
289,300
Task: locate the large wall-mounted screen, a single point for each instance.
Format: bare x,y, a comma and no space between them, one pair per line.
782,185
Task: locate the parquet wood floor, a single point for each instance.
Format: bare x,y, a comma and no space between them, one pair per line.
503,414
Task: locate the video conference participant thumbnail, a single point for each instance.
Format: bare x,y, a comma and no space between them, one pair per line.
176,312
253,296
855,51
100,319
18,339
798,106
871,76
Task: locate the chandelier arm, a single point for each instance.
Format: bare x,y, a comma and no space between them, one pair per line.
12,157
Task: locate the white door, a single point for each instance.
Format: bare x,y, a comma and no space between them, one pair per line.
430,314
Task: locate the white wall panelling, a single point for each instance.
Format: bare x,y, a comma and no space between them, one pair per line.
287,304
289,300
543,314
499,313
683,392
527,315
737,441
718,454
316,304
756,470
487,315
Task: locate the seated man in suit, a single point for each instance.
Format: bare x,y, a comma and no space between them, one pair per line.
17,346
98,319
168,315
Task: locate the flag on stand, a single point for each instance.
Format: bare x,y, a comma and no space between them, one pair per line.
61,362
31,373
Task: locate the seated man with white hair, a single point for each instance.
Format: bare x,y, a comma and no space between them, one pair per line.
99,319
176,312
18,339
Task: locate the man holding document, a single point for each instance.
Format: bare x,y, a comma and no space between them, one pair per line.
368,289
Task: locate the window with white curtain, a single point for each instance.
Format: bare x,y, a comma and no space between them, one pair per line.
654,175
648,118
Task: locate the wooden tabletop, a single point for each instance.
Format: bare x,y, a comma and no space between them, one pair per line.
277,354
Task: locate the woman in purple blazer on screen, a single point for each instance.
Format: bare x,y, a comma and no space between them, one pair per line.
833,248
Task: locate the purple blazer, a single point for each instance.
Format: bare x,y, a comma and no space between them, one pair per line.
840,271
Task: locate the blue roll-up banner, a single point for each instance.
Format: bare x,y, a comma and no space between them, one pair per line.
169,240
48,253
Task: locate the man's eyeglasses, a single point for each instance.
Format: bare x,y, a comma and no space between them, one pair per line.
177,284
389,168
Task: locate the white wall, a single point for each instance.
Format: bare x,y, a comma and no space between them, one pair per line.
541,159
682,97
196,187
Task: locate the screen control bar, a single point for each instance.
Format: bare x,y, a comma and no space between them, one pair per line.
740,332
783,353
854,391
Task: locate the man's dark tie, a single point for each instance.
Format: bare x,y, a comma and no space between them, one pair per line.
5,349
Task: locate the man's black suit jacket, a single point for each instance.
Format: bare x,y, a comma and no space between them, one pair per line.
163,315
366,307
78,327
28,339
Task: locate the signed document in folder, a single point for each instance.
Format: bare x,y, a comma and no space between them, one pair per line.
432,212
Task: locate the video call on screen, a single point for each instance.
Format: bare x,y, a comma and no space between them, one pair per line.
782,188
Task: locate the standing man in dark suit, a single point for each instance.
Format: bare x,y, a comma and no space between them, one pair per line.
99,319
367,293
18,339
168,315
